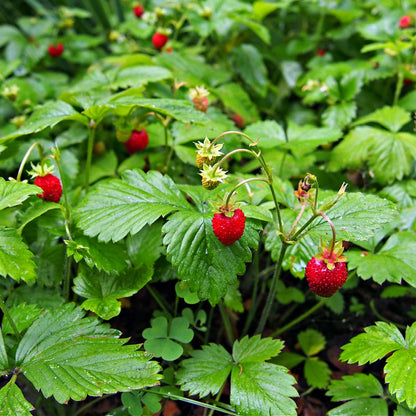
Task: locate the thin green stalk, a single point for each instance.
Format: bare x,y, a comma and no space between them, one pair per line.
272,291
82,409
26,157
156,297
300,318
382,318
240,184
253,304
399,84
6,313
217,399
67,278
227,323
91,135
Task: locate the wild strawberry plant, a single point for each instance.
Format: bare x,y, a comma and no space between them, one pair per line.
178,161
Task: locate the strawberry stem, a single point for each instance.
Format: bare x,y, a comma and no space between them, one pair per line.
233,132
26,157
90,147
240,184
331,250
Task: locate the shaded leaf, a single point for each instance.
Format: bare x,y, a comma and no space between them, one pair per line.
14,193
4,361
311,341
358,407
12,401
317,373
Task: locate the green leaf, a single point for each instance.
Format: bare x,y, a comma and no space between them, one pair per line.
317,373
12,401
68,356
14,193
259,389
4,361
202,261
207,370
103,291
120,207
376,342
360,407
137,76
248,62
393,262
162,337
354,387
311,341
35,210
181,110
355,216
111,258
271,133
392,118
339,115
15,257
261,31
23,316
45,116
256,349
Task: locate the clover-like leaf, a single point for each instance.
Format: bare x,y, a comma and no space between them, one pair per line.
202,261
317,373
120,207
103,290
163,337
14,193
69,356
12,401
15,256
311,341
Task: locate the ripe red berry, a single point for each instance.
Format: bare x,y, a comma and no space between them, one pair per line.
238,120
138,11
404,22
320,52
138,140
229,229
56,51
159,40
323,281
51,185
201,103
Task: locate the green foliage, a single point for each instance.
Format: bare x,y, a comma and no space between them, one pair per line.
257,387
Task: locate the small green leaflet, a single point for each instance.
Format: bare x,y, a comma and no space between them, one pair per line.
14,193
69,356
23,316
393,262
258,388
4,361
380,340
392,118
12,401
124,206
203,262
103,290
15,256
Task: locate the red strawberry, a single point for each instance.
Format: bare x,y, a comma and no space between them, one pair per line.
51,185
229,229
404,22
323,281
138,11
201,103
320,52
159,40
56,51
138,141
238,120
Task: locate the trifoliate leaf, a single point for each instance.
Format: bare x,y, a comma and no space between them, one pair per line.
311,341
202,261
259,388
120,207
377,341
393,262
14,193
12,401
163,337
207,370
68,356
103,290
317,373
256,349
355,216
15,257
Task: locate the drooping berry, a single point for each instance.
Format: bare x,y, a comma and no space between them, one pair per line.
56,51
229,229
324,281
138,11
238,120
51,185
138,141
159,40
